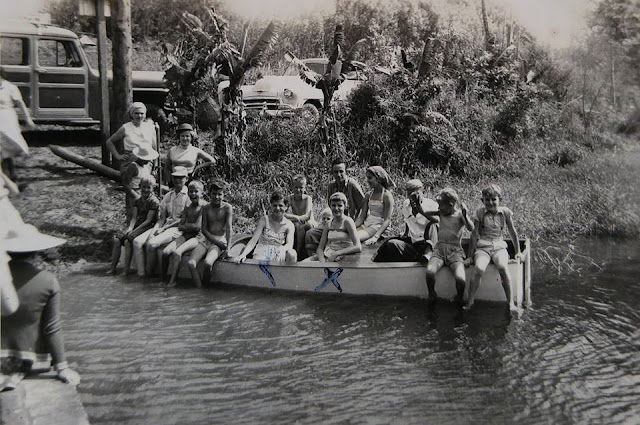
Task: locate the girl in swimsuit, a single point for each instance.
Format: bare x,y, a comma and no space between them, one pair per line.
185,154
340,237
272,241
376,213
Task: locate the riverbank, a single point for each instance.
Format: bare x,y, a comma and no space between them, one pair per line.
597,195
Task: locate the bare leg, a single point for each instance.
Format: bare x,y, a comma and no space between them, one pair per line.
481,261
127,257
115,254
458,272
501,261
212,256
176,256
434,265
196,255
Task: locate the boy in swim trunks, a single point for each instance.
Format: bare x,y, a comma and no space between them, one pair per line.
216,233
448,251
300,213
190,225
488,243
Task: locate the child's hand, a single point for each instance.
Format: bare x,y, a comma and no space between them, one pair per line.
468,261
240,259
371,241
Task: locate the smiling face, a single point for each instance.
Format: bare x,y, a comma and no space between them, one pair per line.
145,189
337,207
278,208
184,138
491,203
299,189
325,219
194,192
339,172
216,195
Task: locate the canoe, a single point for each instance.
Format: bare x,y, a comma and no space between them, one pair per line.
367,278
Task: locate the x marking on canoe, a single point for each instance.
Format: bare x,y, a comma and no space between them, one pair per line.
330,276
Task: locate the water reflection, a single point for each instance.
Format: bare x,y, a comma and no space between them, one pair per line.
228,355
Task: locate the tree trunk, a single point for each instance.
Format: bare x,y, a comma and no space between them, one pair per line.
121,52
89,163
488,39
425,66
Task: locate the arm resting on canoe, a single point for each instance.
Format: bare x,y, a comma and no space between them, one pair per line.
252,242
513,233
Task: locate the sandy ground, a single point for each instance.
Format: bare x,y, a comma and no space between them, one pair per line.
66,200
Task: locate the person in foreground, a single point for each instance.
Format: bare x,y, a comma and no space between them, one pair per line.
448,251
217,218
190,225
165,231
340,237
375,215
488,245
33,332
272,241
143,217
300,213
420,234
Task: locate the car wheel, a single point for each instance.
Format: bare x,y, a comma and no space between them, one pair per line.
310,111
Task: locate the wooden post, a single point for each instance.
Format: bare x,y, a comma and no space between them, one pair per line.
122,88
101,31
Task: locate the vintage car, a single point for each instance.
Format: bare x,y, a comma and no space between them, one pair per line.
57,82
283,94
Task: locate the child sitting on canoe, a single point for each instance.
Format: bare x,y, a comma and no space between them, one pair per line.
375,215
171,207
134,171
143,217
448,251
488,245
341,183
300,213
190,225
216,233
340,237
420,234
272,241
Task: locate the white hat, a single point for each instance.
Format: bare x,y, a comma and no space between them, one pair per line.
26,238
180,171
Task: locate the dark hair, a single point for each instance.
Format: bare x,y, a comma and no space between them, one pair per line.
277,196
337,161
217,184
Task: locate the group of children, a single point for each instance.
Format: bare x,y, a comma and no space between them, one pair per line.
184,224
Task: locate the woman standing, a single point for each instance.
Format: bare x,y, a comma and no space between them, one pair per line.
12,143
185,154
139,132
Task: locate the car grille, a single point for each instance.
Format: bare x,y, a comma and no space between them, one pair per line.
272,103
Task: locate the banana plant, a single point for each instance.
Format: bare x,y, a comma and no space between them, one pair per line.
338,64
197,69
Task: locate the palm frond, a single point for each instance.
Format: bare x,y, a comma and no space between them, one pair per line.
306,74
257,52
191,21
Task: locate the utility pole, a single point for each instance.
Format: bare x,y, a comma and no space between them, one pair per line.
101,31
121,54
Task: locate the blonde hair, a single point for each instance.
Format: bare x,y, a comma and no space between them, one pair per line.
448,195
148,179
325,212
196,183
137,105
492,190
299,178
340,197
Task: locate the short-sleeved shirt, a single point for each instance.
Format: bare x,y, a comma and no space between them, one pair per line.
417,223
491,226
143,206
353,191
174,203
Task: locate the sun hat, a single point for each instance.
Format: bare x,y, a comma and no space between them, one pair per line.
180,171
184,127
27,238
146,154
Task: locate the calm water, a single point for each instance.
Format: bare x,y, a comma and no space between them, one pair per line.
150,355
